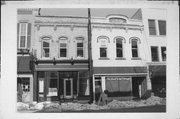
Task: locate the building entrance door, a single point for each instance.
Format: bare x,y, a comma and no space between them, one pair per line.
68,88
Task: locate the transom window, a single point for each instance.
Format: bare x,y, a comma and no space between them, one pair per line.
162,27
63,47
23,35
45,48
119,47
152,27
80,47
134,48
154,54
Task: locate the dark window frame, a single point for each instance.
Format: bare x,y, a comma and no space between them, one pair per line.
151,28
155,56
162,31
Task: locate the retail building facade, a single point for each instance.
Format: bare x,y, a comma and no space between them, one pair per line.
55,60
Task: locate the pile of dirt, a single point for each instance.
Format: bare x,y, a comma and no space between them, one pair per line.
22,106
153,100
51,106
78,106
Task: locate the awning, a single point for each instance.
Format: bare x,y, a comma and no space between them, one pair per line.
23,65
120,70
157,70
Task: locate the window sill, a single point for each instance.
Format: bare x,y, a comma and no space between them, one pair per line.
120,58
157,35
136,58
103,58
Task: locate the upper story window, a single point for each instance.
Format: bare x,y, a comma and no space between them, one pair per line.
46,47
80,46
154,54
162,27
119,47
23,35
163,53
62,47
134,44
103,46
152,27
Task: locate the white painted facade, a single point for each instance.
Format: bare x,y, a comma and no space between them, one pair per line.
154,40
112,33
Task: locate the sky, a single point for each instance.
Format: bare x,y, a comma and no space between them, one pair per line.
83,12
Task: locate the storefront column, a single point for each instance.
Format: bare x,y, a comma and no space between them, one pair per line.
35,87
149,86
103,83
31,89
94,101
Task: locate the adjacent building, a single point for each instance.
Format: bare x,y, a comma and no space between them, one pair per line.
55,63
154,21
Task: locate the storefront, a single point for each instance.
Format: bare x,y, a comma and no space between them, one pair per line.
24,79
62,81
158,79
122,82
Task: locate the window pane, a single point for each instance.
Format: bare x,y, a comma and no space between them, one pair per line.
45,44
46,52
80,52
63,52
163,52
119,43
79,44
134,44
53,83
83,86
162,27
62,44
152,27
134,53
154,53
119,52
22,41
23,29
103,52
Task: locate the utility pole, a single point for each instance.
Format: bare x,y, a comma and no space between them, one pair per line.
90,55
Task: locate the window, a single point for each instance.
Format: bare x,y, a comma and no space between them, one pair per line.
152,27
163,53
45,48
103,48
154,54
63,47
23,35
80,47
119,47
134,48
162,27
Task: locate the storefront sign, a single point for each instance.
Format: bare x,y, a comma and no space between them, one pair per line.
52,92
117,78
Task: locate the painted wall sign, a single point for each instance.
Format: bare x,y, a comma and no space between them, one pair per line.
118,78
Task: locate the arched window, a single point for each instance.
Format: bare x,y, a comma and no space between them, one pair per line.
63,46
134,44
80,46
46,46
135,41
119,46
103,40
